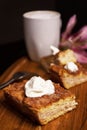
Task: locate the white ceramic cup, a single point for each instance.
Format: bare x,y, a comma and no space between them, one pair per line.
41,30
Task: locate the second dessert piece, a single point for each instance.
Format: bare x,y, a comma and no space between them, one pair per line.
64,68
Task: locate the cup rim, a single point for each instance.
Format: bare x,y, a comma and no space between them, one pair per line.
55,14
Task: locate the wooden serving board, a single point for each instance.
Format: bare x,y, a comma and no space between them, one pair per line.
11,119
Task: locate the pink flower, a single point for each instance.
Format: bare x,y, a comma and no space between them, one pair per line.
77,41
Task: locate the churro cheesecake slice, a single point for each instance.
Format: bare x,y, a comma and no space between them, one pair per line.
66,77
41,100
68,71
64,68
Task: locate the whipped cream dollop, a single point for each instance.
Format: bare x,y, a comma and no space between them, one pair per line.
54,50
71,66
37,87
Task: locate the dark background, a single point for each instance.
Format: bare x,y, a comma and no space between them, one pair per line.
12,44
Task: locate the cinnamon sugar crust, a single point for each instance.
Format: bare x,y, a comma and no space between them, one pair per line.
67,78
60,69
16,91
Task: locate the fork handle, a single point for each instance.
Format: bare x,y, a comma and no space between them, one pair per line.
7,83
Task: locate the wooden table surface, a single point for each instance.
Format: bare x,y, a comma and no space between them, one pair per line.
10,119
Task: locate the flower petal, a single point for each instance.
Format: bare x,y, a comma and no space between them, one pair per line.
71,23
81,58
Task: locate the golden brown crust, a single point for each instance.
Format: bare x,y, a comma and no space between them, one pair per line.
46,100
67,78
61,70
16,90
